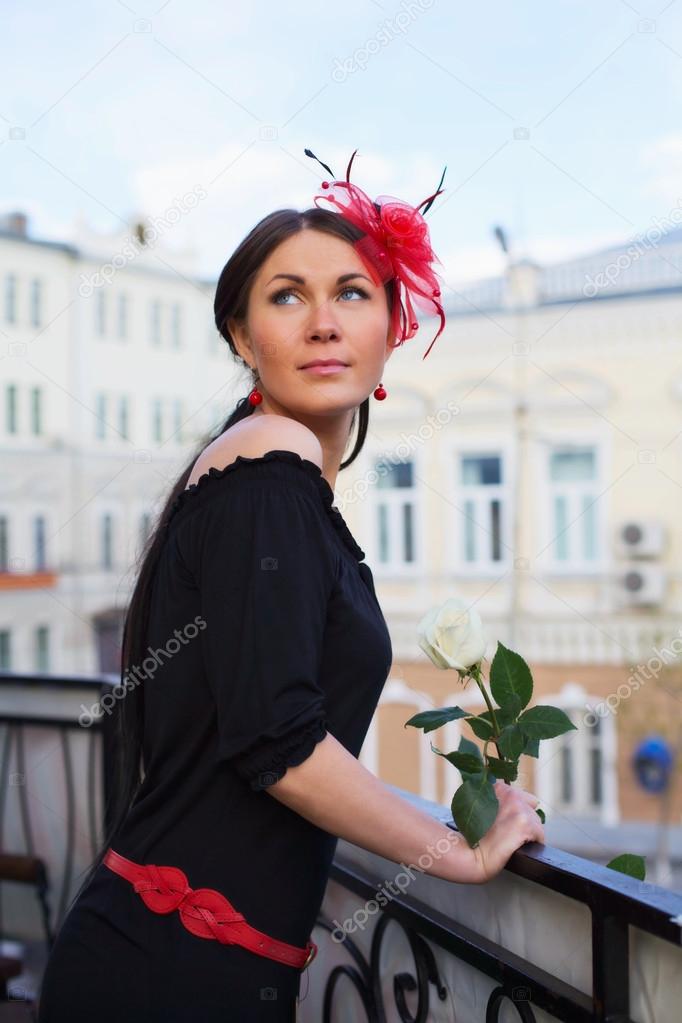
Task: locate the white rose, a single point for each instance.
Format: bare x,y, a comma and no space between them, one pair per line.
452,635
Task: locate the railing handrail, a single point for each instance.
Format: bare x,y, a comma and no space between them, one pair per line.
645,905
71,681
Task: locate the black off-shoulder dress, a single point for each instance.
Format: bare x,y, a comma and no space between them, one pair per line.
293,645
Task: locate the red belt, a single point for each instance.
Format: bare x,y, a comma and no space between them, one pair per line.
204,911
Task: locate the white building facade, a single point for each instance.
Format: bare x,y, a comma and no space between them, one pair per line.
112,371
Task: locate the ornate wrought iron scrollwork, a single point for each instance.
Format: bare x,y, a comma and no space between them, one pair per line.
497,997
367,977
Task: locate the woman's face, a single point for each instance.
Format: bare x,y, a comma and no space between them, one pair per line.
292,322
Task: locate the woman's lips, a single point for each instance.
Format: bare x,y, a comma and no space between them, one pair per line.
324,370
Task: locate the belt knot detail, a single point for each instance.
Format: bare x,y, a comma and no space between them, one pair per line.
203,911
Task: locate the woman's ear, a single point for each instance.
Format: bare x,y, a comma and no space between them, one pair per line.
239,334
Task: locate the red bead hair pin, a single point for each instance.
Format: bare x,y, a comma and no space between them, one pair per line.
396,244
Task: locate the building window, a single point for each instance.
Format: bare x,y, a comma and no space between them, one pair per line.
107,541
4,543
155,323
176,326
122,315
11,412
101,415
42,649
579,766
35,303
39,543
481,483
101,312
123,417
36,411
395,513
157,420
177,420
10,299
5,650
573,506
145,528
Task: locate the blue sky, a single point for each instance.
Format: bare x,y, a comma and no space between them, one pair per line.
559,120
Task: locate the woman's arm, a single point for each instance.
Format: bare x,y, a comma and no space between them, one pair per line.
337,793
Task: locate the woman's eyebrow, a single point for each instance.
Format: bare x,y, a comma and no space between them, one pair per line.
301,280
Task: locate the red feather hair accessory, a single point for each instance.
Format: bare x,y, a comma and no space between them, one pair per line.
395,245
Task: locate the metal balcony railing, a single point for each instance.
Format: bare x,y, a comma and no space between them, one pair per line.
554,935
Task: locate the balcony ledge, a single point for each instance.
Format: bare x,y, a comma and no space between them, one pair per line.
555,935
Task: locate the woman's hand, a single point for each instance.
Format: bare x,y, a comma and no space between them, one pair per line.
516,823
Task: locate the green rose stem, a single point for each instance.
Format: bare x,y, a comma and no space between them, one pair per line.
475,674
474,804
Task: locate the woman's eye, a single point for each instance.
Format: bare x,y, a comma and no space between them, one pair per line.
290,291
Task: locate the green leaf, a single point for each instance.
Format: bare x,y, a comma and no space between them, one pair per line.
474,808
504,769
545,722
532,747
483,722
629,863
511,682
511,742
503,715
480,727
465,762
467,746
432,719
470,749
541,815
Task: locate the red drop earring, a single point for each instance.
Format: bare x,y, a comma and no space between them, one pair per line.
380,393
255,397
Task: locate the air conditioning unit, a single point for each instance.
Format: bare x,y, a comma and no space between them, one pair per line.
641,585
640,538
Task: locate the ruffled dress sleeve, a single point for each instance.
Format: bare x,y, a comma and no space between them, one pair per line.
266,566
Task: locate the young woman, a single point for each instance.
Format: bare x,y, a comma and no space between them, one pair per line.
258,603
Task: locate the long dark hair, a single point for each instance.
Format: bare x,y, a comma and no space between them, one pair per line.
231,302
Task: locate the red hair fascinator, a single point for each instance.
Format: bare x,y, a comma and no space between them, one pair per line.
396,245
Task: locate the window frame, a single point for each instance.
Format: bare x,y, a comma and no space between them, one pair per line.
485,445
393,497
547,489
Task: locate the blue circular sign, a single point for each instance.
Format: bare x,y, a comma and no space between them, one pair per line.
652,762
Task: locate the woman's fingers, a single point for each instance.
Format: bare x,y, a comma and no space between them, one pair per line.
530,797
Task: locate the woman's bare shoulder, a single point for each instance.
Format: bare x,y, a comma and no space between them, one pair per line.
255,437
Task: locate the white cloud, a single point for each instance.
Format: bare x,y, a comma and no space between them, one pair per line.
663,159
246,182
